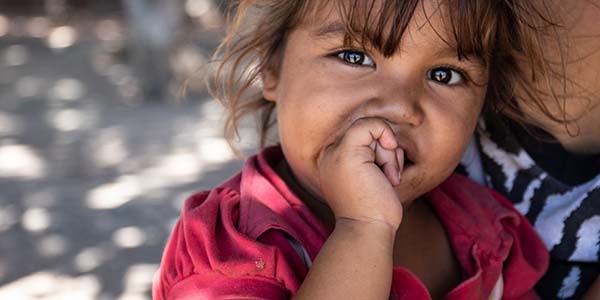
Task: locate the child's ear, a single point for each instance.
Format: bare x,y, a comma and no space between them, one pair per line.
269,85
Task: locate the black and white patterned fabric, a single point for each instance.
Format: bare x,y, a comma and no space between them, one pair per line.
567,216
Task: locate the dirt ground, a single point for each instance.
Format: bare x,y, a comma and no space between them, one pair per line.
92,171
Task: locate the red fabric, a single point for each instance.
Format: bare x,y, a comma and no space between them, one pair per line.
233,241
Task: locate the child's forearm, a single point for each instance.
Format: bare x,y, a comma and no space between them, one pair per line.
355,263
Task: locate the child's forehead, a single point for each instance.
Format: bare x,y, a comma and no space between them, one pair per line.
376,24
374,11
333,20
468,27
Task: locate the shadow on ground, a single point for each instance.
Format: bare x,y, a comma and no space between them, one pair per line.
91,176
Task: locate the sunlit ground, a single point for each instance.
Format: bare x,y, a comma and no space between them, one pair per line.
93,173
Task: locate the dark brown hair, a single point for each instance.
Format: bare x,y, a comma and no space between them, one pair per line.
498,32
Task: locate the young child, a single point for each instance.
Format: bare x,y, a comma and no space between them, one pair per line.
375,102
547,161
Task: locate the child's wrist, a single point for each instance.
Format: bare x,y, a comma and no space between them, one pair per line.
368,226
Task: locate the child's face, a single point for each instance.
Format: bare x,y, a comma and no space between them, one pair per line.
423,92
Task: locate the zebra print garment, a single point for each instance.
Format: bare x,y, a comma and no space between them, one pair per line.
567,216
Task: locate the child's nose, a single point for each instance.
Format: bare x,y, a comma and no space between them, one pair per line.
399,103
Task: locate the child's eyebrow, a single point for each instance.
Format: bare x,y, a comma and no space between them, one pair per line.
446,51
331,29
451,51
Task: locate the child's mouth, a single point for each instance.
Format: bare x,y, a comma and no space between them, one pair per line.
405,162
408,163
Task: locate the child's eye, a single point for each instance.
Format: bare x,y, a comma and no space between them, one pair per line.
446,75
354,57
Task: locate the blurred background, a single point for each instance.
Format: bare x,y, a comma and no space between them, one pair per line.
105,129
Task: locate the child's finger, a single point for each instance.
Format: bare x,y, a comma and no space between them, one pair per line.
400,158
366,131
388,161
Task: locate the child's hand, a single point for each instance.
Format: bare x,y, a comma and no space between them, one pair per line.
358,173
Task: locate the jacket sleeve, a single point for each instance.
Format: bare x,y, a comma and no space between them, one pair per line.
206,257
528,258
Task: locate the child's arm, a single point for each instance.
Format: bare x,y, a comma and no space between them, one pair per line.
356,173
354,263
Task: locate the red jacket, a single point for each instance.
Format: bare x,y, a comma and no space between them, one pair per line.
237,239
